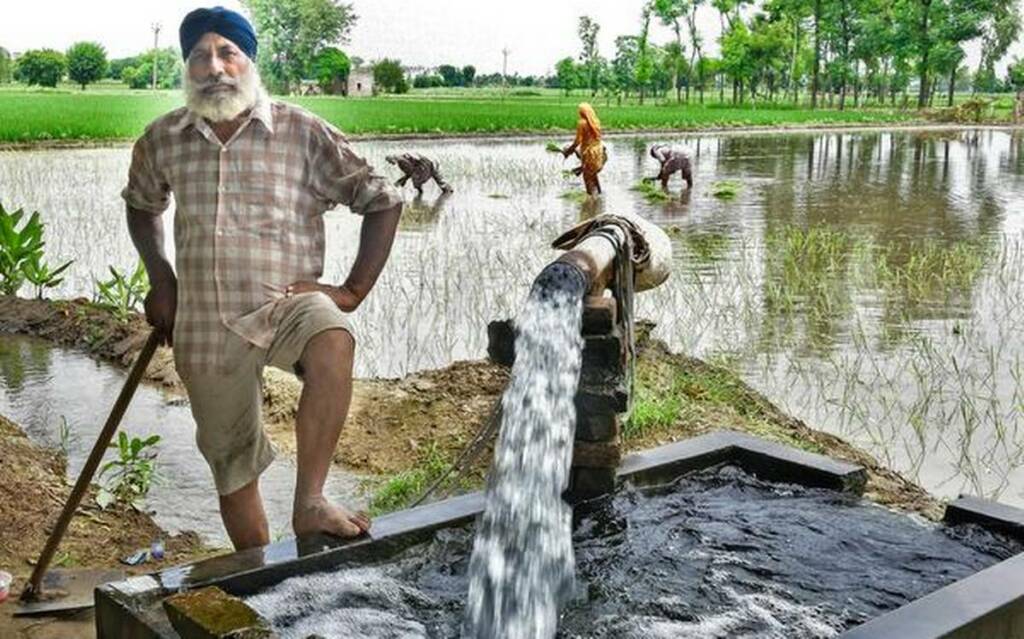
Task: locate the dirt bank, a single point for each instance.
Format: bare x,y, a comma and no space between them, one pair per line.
390,423
395,424
545,134
33,490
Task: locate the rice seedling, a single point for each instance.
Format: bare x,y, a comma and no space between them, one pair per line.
726,189
651,192
575,195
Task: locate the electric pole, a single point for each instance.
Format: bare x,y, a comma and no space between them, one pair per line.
156,39
504,72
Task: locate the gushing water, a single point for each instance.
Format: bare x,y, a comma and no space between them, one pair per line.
522,564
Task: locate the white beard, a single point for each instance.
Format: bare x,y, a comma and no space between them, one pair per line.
224,106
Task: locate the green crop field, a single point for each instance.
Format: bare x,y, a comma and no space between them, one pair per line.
109,113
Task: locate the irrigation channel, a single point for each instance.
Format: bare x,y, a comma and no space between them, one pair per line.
42,386
867,282
717,553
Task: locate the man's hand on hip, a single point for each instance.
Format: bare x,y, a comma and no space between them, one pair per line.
161,304
346,300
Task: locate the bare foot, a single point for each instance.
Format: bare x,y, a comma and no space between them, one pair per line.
320,516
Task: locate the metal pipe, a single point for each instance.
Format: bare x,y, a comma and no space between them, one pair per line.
595,256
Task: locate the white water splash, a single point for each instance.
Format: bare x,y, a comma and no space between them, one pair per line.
362,602
522,565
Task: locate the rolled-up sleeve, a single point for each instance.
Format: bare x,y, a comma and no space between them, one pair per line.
147,190
339,176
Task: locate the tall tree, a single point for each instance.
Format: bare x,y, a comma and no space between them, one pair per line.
293,32
452,76
644,61
1015,78
389,76
6,71
627,52
44,67
696,43
917,21
1000,28
816,71
330,69
736,59
670,12
169,66
590,55
842,28
87,63
568,73
468,75
794,14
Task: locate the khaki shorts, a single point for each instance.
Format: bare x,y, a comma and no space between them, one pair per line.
226,408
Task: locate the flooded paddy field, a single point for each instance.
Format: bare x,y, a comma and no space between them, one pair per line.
867,282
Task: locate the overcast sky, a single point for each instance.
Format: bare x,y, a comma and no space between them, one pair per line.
537,32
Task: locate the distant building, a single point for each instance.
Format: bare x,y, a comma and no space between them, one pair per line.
360,83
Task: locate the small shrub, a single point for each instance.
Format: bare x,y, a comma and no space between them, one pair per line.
123,294
41,275
18,247
132,474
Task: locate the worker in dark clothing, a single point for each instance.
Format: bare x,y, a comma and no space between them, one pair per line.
419,169
672,161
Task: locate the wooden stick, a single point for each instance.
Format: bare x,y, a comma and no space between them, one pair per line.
34,588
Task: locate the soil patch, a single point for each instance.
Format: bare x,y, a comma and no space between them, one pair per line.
33,490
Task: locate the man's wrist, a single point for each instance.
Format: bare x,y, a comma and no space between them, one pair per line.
162,277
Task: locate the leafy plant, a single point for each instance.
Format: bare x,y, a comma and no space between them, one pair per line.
132,474
18,247
551,147
123,293
40,275
65,436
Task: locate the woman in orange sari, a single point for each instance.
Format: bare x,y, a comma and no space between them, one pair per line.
588,147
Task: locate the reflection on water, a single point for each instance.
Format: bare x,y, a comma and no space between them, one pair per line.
868,282
41,386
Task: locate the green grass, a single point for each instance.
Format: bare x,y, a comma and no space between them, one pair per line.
651,410
400,490
109,113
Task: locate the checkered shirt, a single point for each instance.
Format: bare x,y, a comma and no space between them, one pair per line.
249,215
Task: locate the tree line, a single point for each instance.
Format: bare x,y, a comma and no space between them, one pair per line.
827,51
833,52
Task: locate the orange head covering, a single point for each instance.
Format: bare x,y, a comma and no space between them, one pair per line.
588,114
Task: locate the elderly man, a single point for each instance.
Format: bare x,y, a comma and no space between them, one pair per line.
420,169
251,179
672,161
